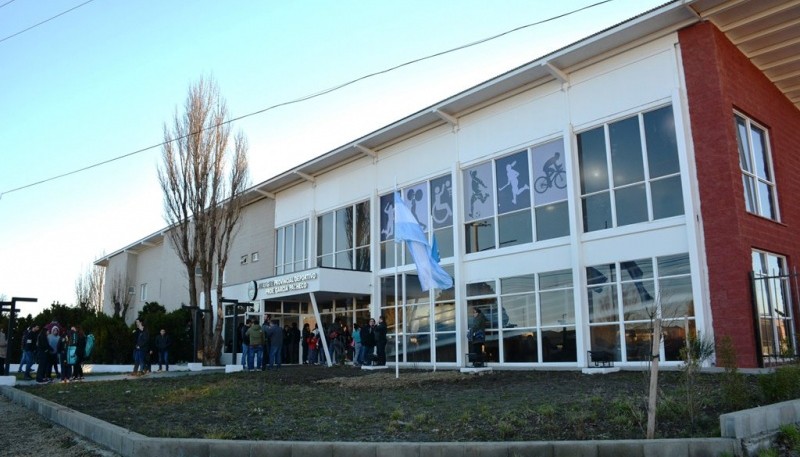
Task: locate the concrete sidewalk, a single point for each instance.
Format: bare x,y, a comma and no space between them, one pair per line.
131,444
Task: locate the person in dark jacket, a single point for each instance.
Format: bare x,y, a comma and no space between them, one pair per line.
43,353
29,350
305,335
368,340
77,339
274,336
380,340
141,349
163,343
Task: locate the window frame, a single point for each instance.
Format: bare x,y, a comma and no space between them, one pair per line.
285,259
475,230
355,245
752,175
612,190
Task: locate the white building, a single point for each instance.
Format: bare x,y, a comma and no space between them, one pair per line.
566,197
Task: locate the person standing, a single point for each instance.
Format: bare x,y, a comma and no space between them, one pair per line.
358,348
43,352
265,348
243,327
78,339
163,343
477,335
368,341
29,350
275,343
255,335
305,335
53,339
3,351
294,344
381,340
141,349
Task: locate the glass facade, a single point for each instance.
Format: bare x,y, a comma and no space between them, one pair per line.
624,298
516,199
629,171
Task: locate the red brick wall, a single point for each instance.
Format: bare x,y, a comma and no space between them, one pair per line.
719,79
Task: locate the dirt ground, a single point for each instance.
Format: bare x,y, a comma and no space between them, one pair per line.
25,433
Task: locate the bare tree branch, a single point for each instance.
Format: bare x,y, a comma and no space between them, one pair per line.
202,200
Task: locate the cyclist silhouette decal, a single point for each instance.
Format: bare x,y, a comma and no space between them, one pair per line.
554,175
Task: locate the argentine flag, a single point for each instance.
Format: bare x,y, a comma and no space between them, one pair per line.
406,228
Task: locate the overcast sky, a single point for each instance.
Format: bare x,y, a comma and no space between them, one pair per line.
100,81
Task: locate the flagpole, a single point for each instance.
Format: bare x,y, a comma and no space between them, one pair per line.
396,297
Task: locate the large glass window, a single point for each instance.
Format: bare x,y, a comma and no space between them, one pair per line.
756,165
291,243
343,238
625,297
431,203
516,198
424,333
629,171
531,317
772,293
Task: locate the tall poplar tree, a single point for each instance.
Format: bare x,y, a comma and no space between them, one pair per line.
203,178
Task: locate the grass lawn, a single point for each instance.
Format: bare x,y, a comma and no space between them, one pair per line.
308,403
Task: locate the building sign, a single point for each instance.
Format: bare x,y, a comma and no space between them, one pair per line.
297,282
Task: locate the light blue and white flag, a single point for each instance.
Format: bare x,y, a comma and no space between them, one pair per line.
406,228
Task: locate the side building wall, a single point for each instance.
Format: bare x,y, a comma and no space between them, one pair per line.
720,80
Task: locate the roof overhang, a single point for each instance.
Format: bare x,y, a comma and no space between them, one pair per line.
766,31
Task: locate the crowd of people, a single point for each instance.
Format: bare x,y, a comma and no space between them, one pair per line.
267,345
61,351
55,349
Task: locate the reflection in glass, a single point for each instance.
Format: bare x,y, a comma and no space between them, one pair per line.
552,221
515,228
479,235
517,284
626,151
631,204
667,197
555,279
662,145
676,297
519,346
557,307
592,160
558,345
520,309
638,339
596,212
603,304
605,338
672,265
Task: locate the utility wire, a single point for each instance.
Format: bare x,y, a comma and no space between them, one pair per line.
6,3
301,99
43,22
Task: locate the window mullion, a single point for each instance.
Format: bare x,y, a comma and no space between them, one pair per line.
610,177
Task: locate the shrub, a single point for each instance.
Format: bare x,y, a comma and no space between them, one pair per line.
781,385
734,393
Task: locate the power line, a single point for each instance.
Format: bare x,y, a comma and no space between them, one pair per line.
43,22
6,3
301,99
